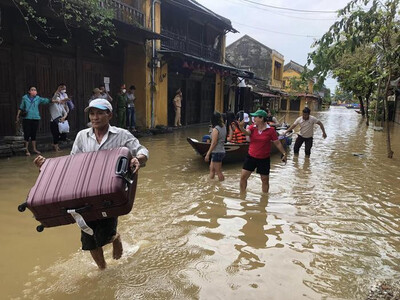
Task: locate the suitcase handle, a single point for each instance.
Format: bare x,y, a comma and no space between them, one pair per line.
81,209
122,166
122,169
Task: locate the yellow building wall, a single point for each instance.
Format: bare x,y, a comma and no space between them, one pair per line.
286,77
160,85
161,96
135,71
310,86
288,74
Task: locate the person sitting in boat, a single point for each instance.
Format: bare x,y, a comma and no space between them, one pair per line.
230,117
207,137
272,121
235,134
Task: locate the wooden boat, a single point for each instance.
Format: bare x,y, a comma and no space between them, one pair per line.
234,152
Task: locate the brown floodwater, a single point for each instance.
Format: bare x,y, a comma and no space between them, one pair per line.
328,229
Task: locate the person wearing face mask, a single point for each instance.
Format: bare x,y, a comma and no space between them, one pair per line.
104,93
130,112
121,103
61,99
29,111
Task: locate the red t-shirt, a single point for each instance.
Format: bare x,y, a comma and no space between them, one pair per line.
260,143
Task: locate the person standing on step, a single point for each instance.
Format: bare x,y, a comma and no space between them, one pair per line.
177,105
122,102
29,111
130,111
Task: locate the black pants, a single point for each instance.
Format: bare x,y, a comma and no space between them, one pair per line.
299,141
57,136
30,128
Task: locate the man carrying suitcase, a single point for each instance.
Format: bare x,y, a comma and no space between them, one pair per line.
103,136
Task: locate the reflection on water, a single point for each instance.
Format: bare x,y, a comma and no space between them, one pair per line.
328,228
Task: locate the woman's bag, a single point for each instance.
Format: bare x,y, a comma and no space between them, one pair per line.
70,104
23,113
63,127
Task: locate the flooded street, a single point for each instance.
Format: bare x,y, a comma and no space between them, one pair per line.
328,229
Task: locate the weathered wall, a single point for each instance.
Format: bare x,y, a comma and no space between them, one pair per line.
247,53
290,74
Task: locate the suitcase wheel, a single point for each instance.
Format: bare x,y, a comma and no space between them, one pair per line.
39,228
22,207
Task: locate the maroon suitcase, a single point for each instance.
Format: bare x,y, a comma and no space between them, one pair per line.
96,184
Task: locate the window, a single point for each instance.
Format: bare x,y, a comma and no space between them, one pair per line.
277,71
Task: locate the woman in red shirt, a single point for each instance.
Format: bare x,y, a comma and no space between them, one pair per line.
261,136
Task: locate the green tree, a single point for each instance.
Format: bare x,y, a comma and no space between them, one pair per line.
363,24
56,19
342,95
355,72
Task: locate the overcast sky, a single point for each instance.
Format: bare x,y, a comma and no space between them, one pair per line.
288,32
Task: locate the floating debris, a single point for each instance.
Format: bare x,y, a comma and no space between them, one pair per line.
384,291
359,154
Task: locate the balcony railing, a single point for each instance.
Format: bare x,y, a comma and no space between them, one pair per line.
124,12
183,43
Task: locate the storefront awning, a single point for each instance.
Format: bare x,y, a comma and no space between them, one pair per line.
268,95
307,95
233,71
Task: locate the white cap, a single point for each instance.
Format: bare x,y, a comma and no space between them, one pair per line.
99,103
246,118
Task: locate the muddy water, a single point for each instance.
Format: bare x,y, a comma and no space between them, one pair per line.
328,229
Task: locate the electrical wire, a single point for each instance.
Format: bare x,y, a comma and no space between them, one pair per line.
291,9
271,11
277,32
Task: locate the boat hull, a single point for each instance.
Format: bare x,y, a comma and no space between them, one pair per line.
233,152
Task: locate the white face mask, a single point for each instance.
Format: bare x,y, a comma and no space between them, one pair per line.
124,91
63,91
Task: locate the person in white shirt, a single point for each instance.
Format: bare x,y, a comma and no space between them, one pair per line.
306,134
59,109
103,136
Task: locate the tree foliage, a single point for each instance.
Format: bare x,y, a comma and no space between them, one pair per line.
92,15
367,36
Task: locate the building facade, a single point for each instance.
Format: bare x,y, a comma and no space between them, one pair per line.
162,46
25,61
299,94
192,58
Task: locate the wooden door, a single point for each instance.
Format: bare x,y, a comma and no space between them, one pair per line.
294,104
191,105
8,105
207,99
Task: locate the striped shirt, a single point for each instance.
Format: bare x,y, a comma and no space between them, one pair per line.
115,137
